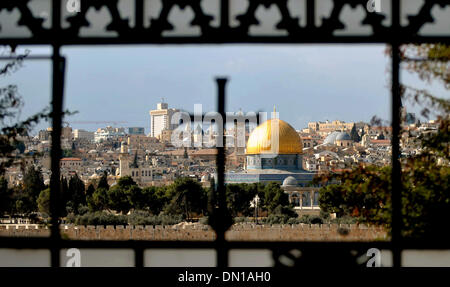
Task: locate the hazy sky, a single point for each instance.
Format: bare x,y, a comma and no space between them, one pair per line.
118,85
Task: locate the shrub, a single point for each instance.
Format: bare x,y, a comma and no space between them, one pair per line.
98,218
285,210
311,219
345,220
316,220
276,219
293,221
83,209
140,217
243,219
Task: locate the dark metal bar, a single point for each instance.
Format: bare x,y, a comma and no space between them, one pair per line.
222,253
310,13
138,257
396,167
57,103
139,14
58,70
224,14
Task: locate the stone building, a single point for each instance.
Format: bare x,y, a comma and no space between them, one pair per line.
328,126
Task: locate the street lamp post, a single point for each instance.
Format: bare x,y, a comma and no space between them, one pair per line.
254,203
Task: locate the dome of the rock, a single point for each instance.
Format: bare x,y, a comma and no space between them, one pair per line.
260,140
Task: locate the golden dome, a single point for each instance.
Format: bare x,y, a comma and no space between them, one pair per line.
259,140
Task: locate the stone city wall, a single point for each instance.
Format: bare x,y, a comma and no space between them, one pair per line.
183,231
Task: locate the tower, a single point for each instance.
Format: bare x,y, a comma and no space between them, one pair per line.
161,119
124,161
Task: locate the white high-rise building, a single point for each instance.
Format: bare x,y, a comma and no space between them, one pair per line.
161,119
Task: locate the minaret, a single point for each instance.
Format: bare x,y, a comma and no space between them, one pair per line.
124,165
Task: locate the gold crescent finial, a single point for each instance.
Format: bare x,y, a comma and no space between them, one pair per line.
274,109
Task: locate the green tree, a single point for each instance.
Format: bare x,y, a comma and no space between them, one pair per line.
65,196
239,197
155,199
274,196
363,193
6,198
77,195
187,197
119,195
90,190
103,183
89,193
126,182
137,198
43,201
99,200
33,184
354,134
118,199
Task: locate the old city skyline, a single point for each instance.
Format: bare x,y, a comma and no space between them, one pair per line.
303,84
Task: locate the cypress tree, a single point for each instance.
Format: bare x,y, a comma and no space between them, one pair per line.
354,134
